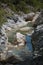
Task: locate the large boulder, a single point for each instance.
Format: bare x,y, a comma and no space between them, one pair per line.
29,17
20,37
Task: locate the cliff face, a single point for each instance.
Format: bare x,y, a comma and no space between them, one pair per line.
37,37
37,40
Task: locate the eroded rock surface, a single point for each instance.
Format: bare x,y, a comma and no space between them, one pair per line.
37,37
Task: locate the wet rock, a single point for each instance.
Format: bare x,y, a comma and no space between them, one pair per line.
3,44
20,37
38,19
35,18
37,41
26,28
29,17
37,37
37,61
11,60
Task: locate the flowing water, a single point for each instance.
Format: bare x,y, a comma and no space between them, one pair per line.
21,53
25,51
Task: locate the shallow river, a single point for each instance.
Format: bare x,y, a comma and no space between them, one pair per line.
24,52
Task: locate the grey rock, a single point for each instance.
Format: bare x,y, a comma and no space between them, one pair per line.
37,36
39,20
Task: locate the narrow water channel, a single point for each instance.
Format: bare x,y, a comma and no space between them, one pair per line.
24,52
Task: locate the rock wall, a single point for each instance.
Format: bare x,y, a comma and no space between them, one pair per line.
37,36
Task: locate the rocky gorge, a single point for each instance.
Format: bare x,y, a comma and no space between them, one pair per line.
21,39
37,36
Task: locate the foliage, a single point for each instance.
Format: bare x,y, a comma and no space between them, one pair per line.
20,5
17,5
2,19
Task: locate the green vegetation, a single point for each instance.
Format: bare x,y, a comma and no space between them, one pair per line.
2,19
12,7
19,5
22,5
